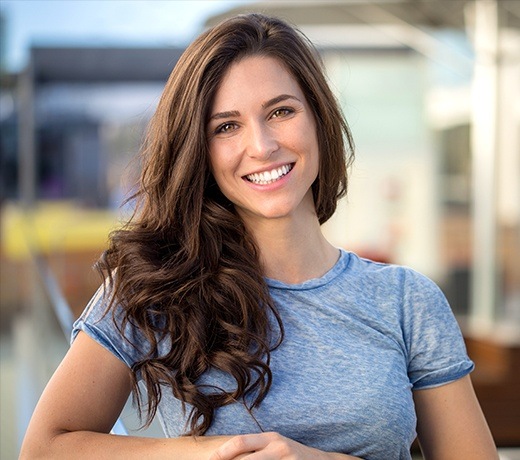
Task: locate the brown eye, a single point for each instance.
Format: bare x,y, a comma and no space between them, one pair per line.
283,112
225,128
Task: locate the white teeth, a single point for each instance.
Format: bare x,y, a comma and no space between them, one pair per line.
267,177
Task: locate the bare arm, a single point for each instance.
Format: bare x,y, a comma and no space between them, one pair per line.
80,405
271,446
451,424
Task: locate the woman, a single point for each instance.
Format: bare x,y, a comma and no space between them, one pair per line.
255,337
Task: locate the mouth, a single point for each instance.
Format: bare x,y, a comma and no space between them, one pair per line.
268,177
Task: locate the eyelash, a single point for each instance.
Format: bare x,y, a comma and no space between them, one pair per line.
287,111
222,129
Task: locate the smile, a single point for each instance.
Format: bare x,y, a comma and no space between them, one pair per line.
268,177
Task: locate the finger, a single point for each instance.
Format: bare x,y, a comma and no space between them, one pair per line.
259,455
243,444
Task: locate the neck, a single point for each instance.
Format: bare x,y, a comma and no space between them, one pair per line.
293,251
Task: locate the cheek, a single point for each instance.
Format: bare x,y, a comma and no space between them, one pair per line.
221,167
221,157
316,158
306,136
216,162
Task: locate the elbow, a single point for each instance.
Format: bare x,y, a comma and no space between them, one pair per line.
40,446
32,450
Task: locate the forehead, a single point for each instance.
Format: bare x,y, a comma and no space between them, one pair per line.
255,79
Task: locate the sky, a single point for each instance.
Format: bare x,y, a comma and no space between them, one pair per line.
102,23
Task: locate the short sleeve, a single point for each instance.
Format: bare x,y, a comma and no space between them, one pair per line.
104,326
436,351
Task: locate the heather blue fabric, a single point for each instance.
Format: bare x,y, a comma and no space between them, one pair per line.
358,341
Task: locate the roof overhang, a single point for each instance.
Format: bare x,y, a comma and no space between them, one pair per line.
426,13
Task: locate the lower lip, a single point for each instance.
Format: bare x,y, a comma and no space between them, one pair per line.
271,185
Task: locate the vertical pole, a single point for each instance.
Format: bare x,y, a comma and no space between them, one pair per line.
27,186
484,140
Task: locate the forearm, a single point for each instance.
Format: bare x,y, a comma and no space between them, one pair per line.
88,445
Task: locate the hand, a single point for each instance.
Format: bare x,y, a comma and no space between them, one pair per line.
269,446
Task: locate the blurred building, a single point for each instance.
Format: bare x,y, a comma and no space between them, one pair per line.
82,113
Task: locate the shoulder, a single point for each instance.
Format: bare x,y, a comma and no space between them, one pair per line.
105,321
385,276
398,293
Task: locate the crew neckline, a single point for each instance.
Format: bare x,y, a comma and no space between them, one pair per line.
340,265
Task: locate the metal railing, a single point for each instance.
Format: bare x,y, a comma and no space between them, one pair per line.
63,312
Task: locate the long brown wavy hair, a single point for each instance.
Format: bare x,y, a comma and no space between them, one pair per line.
184,269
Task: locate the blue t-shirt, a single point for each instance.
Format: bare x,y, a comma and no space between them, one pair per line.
357,342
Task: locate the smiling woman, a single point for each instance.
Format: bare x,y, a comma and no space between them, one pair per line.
264,152
253,336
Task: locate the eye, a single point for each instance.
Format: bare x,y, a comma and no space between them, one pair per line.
282,112
225,128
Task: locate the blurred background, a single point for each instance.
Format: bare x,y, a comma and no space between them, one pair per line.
431,90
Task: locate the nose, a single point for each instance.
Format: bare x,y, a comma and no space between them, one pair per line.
261,142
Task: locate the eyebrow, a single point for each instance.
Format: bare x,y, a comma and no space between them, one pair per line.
265,105
229,114
277,99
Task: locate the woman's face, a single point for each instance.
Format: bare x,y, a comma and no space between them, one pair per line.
263,145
